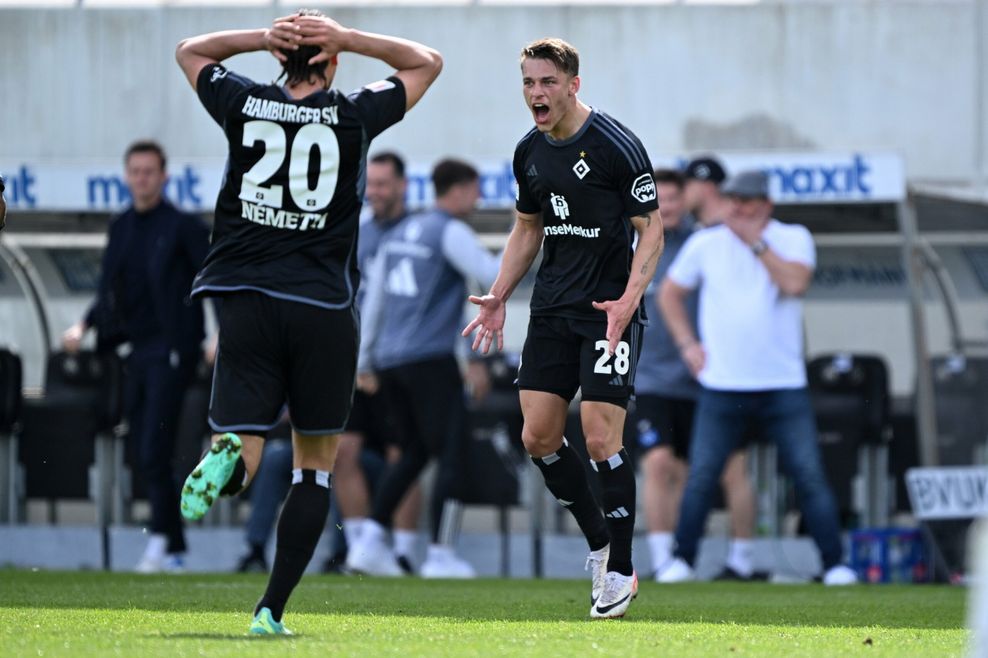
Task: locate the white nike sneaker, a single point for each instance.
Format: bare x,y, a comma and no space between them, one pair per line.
676,571
373,557
618,593
443,562
597,564
840,575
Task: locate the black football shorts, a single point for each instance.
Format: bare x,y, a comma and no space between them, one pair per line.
371,418
658,421
562,355
275,351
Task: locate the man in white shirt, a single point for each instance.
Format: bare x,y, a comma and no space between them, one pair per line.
751,272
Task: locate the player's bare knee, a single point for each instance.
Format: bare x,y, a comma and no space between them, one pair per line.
539,444
603,445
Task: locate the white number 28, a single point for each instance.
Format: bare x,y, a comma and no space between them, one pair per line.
622,358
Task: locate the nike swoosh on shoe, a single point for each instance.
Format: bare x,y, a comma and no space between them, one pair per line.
608,608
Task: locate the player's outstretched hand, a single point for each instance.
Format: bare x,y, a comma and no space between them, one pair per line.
619,314
489,323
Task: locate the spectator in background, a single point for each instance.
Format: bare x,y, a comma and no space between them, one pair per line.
708,207
751,273
3,203
368,432
665,401
703,200
412,316
153,252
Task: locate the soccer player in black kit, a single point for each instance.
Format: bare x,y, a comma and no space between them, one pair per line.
283,260
584,189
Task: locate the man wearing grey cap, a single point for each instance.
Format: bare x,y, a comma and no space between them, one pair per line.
751,272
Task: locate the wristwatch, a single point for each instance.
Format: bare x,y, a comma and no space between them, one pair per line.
758,247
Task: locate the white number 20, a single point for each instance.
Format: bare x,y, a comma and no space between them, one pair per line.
622,358
273,137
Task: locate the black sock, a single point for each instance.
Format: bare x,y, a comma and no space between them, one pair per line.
235,484
302,520
617,483
566,479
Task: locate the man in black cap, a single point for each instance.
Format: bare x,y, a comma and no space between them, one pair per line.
703,177
751,272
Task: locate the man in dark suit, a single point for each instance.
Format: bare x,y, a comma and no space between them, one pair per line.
153,252
3,204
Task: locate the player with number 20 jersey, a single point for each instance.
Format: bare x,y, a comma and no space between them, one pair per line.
287,214
283,260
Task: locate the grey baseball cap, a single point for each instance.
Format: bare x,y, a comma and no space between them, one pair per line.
751,184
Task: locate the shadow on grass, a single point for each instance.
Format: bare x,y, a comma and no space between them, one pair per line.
245,636
931,607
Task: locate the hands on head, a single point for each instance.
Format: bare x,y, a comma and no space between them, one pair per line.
294,31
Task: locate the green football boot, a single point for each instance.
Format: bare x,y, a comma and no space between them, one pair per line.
264,624
204,484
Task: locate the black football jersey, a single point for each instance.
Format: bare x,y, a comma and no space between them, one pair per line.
586,187
287,213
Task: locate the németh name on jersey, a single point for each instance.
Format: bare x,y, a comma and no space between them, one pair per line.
277,218
263,108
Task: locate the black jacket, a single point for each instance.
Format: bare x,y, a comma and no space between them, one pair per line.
177,251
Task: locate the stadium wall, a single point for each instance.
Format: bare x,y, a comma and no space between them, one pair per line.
80,83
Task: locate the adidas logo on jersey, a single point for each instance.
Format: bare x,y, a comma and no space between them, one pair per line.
619,513
532,172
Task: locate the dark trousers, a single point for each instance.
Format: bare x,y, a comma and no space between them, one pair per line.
156,383
427,406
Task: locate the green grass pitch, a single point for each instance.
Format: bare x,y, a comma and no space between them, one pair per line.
97,614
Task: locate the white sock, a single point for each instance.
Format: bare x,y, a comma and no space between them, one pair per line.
739,556
660,545
405,541
156,547
352,528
